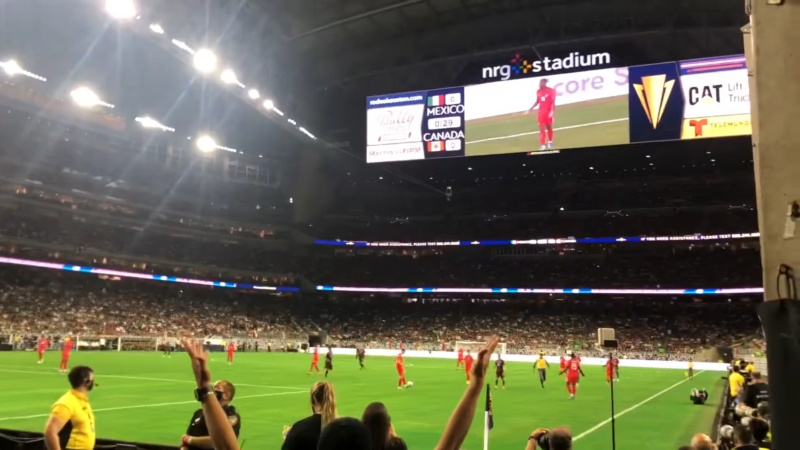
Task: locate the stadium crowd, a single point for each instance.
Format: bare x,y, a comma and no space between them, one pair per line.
38,302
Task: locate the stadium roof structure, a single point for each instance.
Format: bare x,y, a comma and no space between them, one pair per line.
325,55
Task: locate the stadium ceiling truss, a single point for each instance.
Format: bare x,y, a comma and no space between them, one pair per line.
304,49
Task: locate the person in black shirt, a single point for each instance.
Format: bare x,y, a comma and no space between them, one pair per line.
196,436
756,392
328,361
304,434
360,353
499,370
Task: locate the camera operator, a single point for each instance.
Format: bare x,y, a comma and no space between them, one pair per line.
743,438
557,439
196,436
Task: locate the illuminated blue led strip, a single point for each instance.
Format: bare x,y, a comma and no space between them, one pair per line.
433,290
542,241
143,276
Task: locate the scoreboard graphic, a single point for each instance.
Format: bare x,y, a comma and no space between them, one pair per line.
416,125
693,99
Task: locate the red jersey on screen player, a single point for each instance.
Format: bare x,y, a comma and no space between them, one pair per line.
401,370
468,364
460,361
43,344
546,101
65,355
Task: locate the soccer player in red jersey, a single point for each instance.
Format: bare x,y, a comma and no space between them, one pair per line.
315,361
460,361
468,364
563,365
65,355
401,370
43,344
610,369
573,375
546,101
231,351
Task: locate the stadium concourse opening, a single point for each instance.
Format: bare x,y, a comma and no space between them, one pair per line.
196,251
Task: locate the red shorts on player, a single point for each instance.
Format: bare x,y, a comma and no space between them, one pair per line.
545,120
573,379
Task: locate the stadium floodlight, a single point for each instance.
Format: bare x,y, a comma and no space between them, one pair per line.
253,93
86,98
207,144
12,68
182,45
121,9
291,121
277,111
229,77
156,28
205,61
147,122
269,104
307,133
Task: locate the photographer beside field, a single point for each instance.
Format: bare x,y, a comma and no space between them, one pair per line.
555,439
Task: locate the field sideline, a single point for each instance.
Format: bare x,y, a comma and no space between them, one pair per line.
145,397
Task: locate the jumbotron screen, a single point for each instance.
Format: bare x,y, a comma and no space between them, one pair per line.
693,99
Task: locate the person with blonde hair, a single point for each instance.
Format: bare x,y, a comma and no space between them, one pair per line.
304,434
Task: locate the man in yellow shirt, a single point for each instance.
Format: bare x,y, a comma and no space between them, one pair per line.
750,368
542,365
736,382
71,422
691,368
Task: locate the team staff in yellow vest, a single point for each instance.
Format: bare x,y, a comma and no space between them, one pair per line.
71,422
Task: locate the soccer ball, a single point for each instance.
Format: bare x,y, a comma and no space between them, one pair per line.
410,384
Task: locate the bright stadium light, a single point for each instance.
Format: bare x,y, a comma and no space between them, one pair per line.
291,121
268,104
277,111
147,122
156,28
86,98
307,133
12,68
229,77
253,93
182,45
207,144
205,61
121,9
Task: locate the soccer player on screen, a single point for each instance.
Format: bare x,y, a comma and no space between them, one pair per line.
499,370
43,344
401,370
573,375
65,355
360,353
460,362
610,369
468,364
563,365
546,101
231,351
328,361
315,361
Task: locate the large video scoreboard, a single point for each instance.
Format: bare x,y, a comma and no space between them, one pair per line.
692,99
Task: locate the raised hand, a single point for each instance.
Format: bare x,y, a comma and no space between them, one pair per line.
199,359
483,361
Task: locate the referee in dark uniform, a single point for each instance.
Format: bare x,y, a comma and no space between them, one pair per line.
196,436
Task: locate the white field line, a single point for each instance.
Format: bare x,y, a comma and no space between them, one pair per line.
152,405
101,376
626,411
511,136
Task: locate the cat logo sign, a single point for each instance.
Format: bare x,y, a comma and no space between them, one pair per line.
653,93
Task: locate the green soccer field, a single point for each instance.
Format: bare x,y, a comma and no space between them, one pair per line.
593,123
145,397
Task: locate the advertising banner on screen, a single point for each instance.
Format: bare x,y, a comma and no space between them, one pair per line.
587,109
717,97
